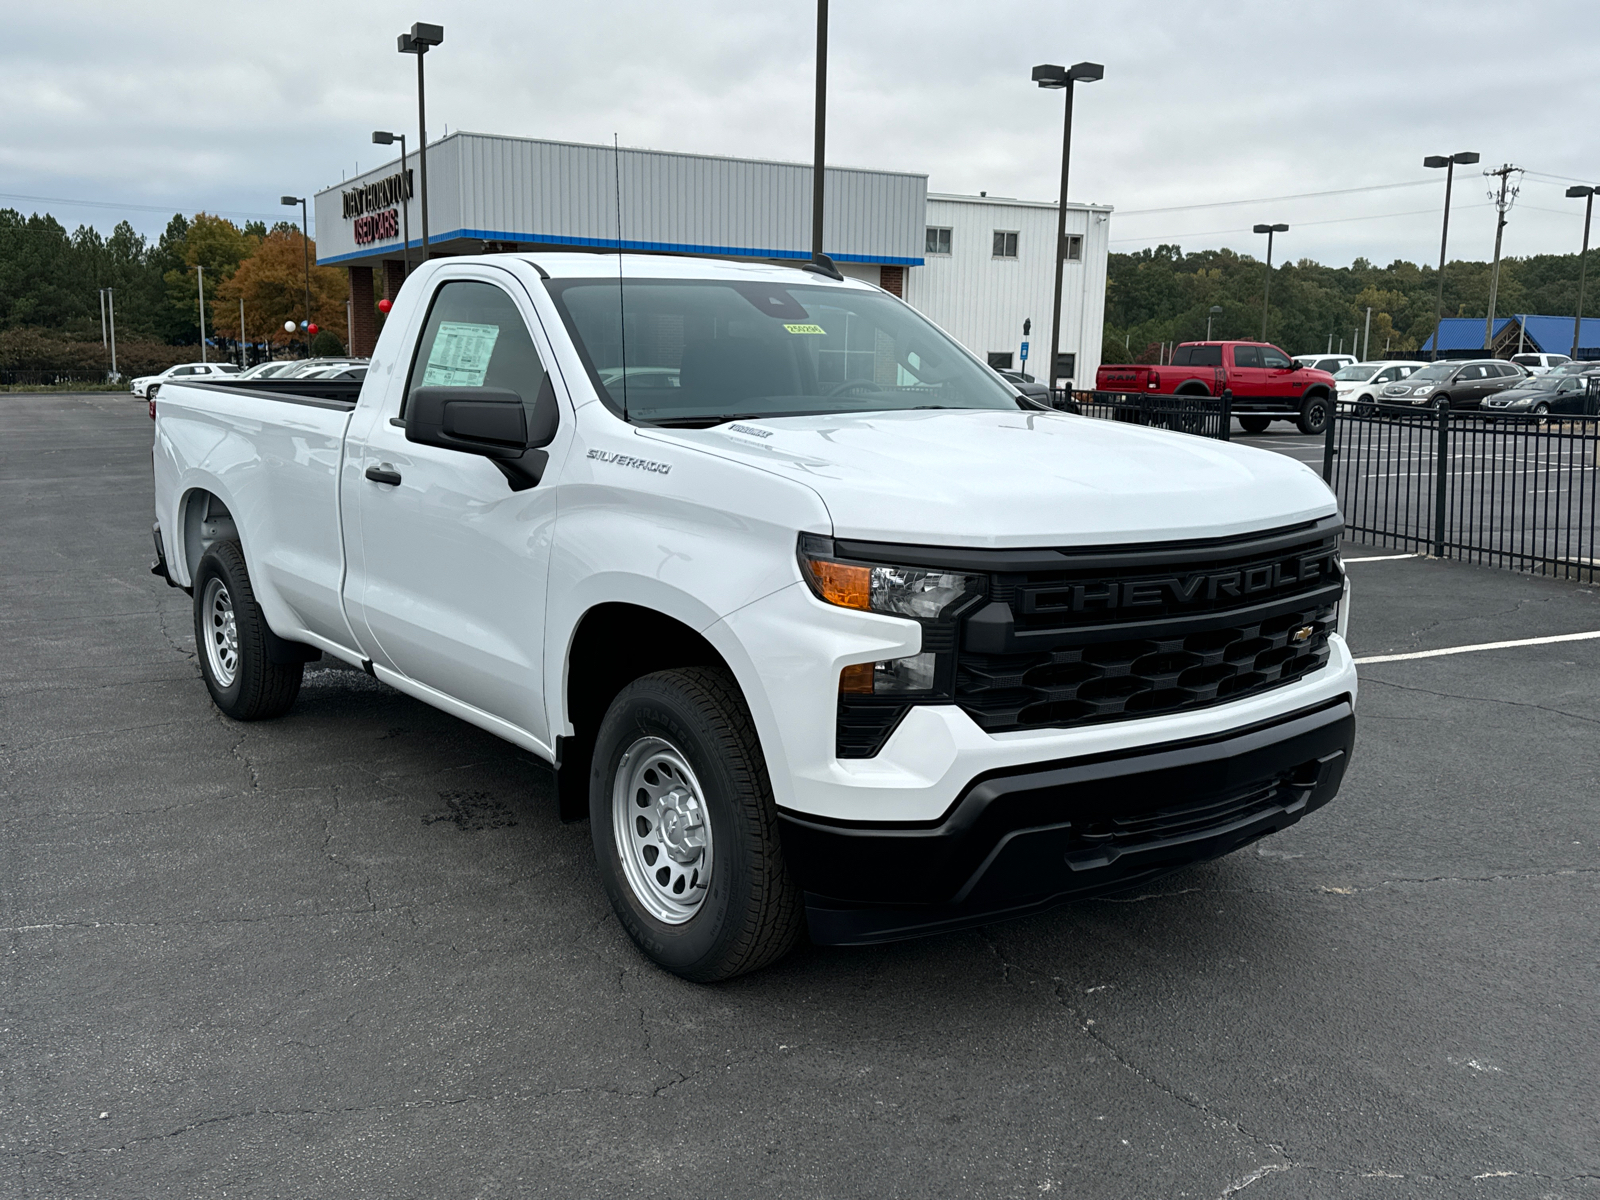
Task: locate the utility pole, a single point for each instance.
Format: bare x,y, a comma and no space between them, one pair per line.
1586,194
111,310
1502,202
202,270
242,363
1366,338
102,318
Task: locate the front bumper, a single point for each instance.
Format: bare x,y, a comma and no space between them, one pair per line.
1024,838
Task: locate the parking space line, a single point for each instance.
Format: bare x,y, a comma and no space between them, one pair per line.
1538,641
1377,558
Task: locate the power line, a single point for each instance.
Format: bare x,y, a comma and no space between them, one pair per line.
1375,187
116,205
1415,212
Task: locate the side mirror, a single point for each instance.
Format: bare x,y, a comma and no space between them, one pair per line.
492,422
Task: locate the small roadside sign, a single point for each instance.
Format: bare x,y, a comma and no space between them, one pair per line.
1024,351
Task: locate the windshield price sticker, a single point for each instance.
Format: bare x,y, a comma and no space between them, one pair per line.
806,329
460,355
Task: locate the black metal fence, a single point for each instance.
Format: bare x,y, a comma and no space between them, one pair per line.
1514,491
1204,416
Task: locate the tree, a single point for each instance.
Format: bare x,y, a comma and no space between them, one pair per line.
272,283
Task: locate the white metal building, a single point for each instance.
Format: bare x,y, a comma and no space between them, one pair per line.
986,270
487,192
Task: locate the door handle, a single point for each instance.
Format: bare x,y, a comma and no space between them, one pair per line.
384,474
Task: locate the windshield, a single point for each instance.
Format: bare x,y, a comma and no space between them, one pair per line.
1434,371
1356,371
701,352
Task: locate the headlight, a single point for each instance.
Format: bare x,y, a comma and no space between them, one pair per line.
1423,389
923,594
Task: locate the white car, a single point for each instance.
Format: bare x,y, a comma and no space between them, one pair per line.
192,372
1538,364
1331,363
269,370
1361,383
838,636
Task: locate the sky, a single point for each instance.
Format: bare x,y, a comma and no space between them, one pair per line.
1211,116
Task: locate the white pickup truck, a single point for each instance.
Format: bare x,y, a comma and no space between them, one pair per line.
824,626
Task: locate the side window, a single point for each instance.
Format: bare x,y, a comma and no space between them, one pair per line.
475,337
1274,360
1005,244
938,240
1247,356
1205,356
1074,247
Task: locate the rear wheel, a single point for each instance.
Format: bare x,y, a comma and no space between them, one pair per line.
1441,405
685,829
1313,415
1255,424
1541,413
230,635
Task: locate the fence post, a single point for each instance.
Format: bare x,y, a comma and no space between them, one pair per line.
1441,465
1227,415
1327,443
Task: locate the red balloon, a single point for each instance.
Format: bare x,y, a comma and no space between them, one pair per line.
313,329
384,306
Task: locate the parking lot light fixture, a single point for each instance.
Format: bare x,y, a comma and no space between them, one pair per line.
1057,78
1449,163
1266,292
1215,309
1586,194
419,41
305,245
383,138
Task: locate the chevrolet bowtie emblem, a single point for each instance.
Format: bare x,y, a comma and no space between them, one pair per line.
1303,633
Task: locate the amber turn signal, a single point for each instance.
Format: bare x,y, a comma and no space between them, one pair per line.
856,679
846,586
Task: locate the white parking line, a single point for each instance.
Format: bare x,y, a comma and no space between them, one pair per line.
1538,641
1377,558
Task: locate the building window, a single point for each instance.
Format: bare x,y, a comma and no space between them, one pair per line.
1074,247
1000,360
1005,243
938,240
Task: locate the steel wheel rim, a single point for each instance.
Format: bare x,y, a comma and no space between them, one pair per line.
221,632
662,830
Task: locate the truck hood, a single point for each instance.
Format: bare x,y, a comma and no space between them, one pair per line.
1003,479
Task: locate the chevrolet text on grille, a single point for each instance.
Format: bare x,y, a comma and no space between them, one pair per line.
1188,589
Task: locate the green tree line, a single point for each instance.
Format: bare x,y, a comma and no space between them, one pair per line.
1165,295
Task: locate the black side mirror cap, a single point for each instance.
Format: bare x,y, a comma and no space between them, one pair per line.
492,422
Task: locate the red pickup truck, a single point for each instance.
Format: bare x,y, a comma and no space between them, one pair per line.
1266,384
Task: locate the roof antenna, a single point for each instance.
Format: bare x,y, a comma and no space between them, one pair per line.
622,314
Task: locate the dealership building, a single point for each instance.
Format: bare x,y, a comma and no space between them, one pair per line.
978,266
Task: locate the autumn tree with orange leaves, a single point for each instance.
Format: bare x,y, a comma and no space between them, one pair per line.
272,282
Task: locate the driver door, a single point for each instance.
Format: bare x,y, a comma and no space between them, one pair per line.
454,562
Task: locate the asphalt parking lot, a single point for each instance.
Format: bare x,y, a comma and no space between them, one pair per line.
354,953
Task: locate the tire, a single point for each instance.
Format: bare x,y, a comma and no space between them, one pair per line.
1541,413
1441,405
683,742
1314,413
230,639
1255,424
1366,407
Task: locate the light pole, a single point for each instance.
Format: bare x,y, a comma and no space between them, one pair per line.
1215,309
819,130
305,245
202,270
1266,291
419,41
1366,338
108,307
380,138
1587,195
1449,163
1062,78
242,354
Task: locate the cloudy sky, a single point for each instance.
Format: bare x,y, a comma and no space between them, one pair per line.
1211,117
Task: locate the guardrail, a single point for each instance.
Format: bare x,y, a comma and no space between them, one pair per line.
1203,416
1516,491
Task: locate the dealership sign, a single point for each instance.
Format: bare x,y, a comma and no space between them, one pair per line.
378,227
385,193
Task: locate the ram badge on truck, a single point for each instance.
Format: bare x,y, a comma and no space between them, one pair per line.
824,627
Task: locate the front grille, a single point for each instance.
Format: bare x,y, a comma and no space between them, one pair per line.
1138,633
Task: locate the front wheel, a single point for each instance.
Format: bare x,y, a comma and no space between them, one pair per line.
685,829
1255,424
230,635
1313,417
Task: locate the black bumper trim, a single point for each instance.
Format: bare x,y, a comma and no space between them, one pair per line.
1027,838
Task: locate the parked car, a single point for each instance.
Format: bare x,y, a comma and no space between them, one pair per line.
1361,383
1033,389
1454,384
269,370
1266,384
191,371
1538,364
308,368
1577,366
1331,363
860,647
1543,395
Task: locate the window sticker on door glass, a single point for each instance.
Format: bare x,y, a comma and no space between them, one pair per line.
460,355
805,329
